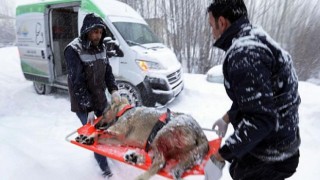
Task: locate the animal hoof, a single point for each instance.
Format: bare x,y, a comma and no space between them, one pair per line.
89,141
133,157
84,139
79,138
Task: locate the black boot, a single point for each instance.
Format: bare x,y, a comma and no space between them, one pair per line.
107,173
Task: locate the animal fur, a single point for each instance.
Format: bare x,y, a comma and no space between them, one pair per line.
181,138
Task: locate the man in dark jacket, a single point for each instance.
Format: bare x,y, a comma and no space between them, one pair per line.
263,86
89,74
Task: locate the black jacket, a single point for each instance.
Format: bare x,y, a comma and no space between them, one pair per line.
263,86
89,71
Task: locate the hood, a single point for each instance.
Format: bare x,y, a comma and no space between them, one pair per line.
90,22
158,52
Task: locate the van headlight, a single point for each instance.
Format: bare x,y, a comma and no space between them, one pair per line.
148,65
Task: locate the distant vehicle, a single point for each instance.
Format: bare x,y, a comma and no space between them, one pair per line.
215,74
148,73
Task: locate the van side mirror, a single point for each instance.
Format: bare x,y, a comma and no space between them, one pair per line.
112,47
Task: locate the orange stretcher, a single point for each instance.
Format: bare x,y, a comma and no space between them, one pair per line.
118,152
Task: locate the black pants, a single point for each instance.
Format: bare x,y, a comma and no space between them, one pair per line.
251,168
102,160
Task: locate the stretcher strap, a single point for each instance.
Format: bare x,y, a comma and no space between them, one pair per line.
163,120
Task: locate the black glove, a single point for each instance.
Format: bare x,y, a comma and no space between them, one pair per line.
112,47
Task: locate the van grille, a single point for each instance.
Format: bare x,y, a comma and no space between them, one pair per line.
174,77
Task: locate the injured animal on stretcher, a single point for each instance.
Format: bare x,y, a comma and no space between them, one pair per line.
167,143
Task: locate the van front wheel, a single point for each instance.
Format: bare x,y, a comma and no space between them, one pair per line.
130,92
42,88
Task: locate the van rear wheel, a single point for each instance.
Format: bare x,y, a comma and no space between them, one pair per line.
42,88
130,92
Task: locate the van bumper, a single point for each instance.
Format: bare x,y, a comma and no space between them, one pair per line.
155,91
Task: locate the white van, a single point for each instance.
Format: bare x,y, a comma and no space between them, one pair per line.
148,73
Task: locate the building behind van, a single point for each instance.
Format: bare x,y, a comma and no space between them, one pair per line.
148,73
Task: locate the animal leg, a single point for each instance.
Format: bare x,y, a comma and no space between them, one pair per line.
185,163
158,163
110,141
189,160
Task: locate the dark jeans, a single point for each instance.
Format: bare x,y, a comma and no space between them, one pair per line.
102,160
251,168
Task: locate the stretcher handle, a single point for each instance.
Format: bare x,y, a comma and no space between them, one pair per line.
212,130
208,129
69,135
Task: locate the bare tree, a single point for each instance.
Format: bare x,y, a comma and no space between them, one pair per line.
306,42
7,30
292,23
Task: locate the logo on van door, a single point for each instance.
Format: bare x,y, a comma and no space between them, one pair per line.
39,34
22,30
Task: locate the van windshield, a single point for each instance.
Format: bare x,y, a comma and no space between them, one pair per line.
136,33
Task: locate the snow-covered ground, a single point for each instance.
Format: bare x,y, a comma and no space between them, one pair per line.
33,128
